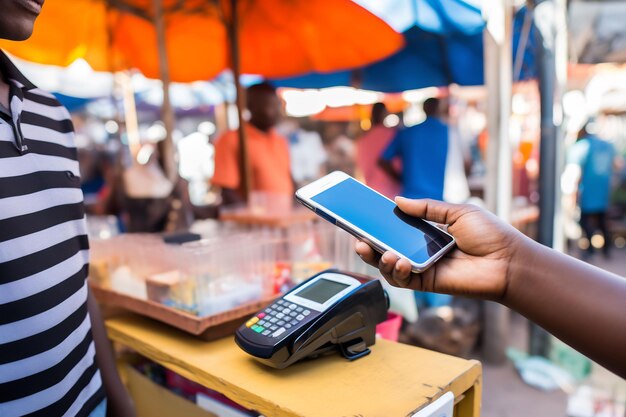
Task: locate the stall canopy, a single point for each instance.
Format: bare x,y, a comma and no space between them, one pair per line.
435,16
277,37
427,60
191,40
443,45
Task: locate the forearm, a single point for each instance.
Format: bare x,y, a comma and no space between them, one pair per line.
118,400
578,303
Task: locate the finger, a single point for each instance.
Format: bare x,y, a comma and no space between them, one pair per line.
366,253
386,265
433,210
402,273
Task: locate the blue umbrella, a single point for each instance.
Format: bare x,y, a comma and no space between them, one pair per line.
525,38
428,60
444,46
444,17
74,104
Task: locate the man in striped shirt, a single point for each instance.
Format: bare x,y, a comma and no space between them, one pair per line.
55,359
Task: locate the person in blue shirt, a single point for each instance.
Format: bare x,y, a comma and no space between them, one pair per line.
595,158
423,150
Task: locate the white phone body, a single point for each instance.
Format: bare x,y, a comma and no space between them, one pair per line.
306,194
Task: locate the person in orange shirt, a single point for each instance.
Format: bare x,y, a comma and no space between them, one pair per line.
268,151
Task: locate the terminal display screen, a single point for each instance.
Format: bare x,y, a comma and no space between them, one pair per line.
322,290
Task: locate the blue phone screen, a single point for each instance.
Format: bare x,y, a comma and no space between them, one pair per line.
381,218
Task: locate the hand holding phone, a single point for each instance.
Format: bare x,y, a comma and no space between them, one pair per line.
487,252
375,219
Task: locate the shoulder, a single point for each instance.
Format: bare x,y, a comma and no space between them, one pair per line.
433,122
279,139
45,119
44,103
227,138
410,131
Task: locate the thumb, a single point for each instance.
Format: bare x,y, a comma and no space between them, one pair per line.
432,210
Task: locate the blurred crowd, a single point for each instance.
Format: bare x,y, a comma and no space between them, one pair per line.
436,148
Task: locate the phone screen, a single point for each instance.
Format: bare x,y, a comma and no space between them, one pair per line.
381,218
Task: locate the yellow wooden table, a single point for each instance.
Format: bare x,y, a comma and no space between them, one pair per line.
394,380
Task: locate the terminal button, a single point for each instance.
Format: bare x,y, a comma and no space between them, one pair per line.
278,332
252,321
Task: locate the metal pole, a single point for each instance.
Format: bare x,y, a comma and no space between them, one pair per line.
561,60
498,187
549,20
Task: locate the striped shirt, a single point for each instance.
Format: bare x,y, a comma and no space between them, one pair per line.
47,354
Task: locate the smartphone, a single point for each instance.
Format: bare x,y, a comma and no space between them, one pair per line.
375,219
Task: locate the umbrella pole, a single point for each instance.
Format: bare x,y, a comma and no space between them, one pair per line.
244,162
130,113
167,151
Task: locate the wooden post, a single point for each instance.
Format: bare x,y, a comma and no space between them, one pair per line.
123,79
167,149
245,173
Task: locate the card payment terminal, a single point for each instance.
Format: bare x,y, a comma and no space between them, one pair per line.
332,310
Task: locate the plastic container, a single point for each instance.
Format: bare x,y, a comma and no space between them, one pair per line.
231,266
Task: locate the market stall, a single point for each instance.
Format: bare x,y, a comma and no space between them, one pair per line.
407,379
199,292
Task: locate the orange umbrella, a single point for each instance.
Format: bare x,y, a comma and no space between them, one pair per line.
357,112
189,40
278,38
